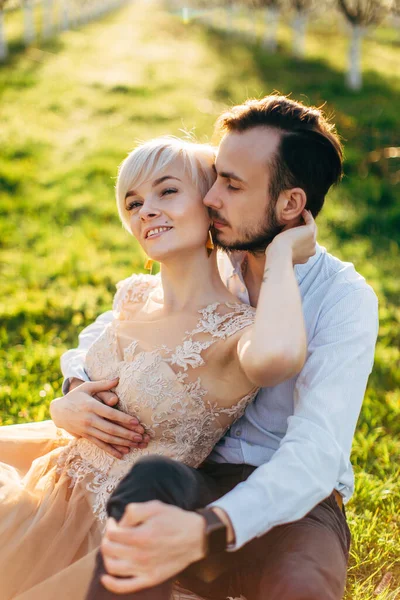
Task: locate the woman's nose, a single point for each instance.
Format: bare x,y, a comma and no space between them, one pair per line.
148,211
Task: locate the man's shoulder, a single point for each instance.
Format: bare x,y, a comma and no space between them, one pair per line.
339,277
341,293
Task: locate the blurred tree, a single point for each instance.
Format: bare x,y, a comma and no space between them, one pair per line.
3,38
361,14
229,9
29,25
203,9
65,15
47,12
301,9
250,15
396,13
272,9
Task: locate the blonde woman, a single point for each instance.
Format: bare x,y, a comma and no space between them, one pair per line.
184,356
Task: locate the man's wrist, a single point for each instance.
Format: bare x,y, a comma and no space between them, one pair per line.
216,533
201,546
230,532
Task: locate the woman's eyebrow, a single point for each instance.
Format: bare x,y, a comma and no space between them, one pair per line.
161,179
154,184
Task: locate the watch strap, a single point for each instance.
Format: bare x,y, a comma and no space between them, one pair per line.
216,531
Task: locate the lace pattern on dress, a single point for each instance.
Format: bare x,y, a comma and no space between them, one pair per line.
162,388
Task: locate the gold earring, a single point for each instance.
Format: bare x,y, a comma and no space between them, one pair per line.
210,244
148,265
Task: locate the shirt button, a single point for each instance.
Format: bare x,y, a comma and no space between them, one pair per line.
238,433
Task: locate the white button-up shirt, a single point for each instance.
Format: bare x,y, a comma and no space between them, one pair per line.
298,433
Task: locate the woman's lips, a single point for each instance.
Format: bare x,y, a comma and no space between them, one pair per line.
157,235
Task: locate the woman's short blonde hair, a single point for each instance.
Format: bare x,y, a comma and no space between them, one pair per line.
152,157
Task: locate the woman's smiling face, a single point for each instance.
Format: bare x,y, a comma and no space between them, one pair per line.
166,213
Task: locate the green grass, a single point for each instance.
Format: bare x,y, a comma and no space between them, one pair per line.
73,108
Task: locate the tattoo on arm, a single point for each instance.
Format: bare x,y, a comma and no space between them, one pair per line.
265,276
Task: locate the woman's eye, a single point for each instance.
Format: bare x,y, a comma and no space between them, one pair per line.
168,191
234,189
132,205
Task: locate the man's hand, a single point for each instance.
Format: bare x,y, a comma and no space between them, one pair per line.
79,413
111,399
152,543
107,397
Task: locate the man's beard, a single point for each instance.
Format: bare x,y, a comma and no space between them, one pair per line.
255,239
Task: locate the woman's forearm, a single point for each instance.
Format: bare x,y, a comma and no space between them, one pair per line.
274,348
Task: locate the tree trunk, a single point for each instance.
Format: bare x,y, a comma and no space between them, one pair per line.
396,24
253,23
271,16
229,17
354,77
65,8
299,34
185,14
47,12
29,25
3,38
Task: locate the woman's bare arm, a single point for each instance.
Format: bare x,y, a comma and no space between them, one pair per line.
274,348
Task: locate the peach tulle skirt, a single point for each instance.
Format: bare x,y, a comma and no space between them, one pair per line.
48,533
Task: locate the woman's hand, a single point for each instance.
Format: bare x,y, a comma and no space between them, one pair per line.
79,413
301,240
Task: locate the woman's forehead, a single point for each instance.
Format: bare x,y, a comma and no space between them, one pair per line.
174,170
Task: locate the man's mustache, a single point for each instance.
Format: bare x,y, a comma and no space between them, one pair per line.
214,216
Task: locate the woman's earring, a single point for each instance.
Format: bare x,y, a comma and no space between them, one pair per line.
210,244
148,265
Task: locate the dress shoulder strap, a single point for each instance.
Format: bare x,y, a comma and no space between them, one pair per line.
224,320
134,289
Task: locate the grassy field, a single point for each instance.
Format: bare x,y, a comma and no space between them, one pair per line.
73,108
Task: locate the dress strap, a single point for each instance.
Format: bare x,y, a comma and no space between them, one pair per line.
223,320
134,289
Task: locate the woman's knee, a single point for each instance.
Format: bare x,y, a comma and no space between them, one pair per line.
155,478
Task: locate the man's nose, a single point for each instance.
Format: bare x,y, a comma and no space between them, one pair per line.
212,198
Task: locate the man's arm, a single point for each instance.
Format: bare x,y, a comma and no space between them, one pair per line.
72,361
316,448
303,471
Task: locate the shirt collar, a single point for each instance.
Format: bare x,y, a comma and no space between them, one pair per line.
233,266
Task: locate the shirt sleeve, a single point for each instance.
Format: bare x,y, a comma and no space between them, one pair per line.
72,361
316,448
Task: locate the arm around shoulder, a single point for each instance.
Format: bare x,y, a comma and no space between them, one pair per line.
274,348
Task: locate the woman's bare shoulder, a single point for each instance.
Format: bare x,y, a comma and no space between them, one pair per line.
134,289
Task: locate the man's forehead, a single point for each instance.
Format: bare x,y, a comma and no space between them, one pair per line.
259,142
244,153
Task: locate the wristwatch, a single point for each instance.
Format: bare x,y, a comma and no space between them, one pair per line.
216,531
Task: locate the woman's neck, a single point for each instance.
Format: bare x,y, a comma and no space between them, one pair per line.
190,282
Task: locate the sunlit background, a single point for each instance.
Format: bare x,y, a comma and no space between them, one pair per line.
80,82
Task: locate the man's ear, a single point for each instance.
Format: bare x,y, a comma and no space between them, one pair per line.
290,205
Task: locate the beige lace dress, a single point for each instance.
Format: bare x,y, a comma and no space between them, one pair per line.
54,488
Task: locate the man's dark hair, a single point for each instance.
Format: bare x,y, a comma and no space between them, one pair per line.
309,154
